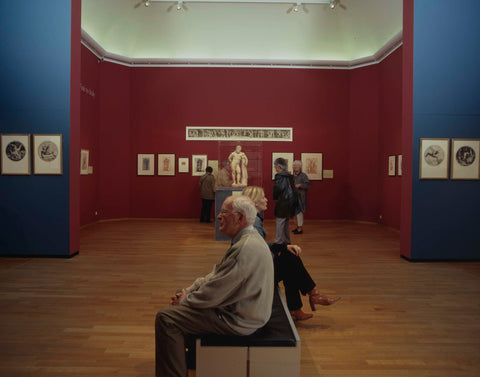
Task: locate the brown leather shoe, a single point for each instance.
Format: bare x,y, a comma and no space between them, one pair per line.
298,315
317,298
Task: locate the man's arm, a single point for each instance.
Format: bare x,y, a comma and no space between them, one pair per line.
219,288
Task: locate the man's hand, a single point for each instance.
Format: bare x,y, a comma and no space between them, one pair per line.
294,249
175,300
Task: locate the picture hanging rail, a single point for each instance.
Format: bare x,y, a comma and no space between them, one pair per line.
240,133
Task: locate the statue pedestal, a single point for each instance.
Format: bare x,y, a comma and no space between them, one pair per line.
220,195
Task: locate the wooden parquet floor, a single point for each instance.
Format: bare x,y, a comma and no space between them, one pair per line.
93,315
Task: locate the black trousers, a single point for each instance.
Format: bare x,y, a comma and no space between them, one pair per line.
290,269
206,210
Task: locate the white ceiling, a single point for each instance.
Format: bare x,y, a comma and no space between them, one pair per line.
355,32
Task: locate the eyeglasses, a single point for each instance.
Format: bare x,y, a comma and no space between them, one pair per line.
224,212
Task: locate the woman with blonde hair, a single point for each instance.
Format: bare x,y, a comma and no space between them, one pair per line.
288,265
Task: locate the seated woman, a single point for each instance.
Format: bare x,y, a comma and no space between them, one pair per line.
288,265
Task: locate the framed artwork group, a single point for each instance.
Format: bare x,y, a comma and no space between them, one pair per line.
395,165
441,159
312,164
166,164
45,151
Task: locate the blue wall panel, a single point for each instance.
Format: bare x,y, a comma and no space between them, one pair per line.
35,99
445,220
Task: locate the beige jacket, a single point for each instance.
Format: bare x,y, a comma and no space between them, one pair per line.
207,186
240,287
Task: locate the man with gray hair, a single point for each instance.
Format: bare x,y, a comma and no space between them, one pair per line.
234,299
285,205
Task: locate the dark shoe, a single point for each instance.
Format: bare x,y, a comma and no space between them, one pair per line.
298,315
208,221
296,231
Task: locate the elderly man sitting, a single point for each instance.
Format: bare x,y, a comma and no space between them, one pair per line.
234,299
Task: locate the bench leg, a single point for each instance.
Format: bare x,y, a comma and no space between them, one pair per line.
221,361
275,361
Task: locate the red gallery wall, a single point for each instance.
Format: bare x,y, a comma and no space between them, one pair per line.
390,137
146,110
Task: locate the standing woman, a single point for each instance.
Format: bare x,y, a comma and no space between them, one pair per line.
288,265
302,184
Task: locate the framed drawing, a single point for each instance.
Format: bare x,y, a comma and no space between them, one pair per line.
166,164
287,156
391,166
15,154
399,165
464,161
84,162
434,157
183,165
145,164
199,164
312,165
47,154
214,165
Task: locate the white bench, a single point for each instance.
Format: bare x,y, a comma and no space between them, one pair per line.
272,351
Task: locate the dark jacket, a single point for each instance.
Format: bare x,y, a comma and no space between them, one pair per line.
283,194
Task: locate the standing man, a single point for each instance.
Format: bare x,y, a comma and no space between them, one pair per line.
223,178
234,299
207,193
283,193
302,184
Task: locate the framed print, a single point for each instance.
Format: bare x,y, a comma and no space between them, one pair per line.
84,161
312,165
287,156
183,165
199,164
15,154
166,164
47,154
434,157
391,166
214,165
399,165
464,161
145,164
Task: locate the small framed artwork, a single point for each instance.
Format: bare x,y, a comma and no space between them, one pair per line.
166,164
145,164
199,164
183,165
15,154
464,161
312,165
214,165
288,156
399,165
47,154
434,157
391,166
84,153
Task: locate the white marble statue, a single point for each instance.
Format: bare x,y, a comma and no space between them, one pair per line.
238,162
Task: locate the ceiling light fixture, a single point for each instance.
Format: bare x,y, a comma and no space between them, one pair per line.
332,3
179,5
297,7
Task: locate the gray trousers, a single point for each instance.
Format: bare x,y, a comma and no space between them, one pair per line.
172,324
282,231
